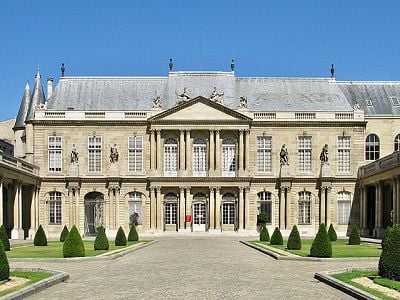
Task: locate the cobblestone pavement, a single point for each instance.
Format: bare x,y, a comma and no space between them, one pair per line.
195,267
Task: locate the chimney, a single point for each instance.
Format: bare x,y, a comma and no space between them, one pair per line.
49,87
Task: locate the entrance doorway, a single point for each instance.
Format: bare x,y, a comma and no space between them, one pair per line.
199,216
94,212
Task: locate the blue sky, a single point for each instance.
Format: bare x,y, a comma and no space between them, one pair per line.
266,38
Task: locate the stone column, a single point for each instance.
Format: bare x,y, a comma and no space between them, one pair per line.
152,150
378,209
71,206
364,211
212,208
241,152
188,207
247,208
159,147
212,153
241,208
218,208
181,151
116,207
247,151
282,208
77,209
322,215
217,153
188,154
153,214
111,197
17,232
1,200
394,190
159,209
181,208
328,205
398,199
32,228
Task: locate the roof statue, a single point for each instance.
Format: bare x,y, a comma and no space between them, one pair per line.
243,103
215,96
157,102
324,154
183,97
356,105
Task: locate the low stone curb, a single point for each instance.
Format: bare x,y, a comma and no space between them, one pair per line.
57,277
304,258
342,286
116,255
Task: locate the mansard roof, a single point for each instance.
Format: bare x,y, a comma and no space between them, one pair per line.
23,109
37,99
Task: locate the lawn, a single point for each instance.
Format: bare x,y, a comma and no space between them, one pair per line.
32,276
340,249
54,250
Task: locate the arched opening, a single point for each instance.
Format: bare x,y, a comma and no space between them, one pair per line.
171,157
94,212
372,147
229,158
265,205
199,158
171,211
397,143
304,208
228,211
135,208
200,212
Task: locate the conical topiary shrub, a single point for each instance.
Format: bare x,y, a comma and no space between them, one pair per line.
4,266
133,235
120,239
294,241
4,238
389,262
332,233
276,238
354,238
73,245
321,246
40,237
64,234
101,241
264,235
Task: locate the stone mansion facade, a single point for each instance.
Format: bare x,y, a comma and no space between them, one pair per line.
200,152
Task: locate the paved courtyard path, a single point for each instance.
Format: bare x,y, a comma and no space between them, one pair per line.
193,267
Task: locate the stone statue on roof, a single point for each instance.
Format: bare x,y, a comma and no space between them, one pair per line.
74,155
243,102
284,156
157,102
356,105
324,154
183,97
114,154
215,96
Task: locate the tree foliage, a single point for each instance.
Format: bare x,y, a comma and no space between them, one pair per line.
40,237
264,235
389,262
294,241
321,246
120,239
276,238
73,245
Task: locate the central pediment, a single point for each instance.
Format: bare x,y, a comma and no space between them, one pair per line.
200,109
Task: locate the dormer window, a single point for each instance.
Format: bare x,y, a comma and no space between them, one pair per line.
395,101
368,102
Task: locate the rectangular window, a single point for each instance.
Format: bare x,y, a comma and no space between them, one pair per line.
264,146
170,213
55,153
304,153
228,213
343,210
94,149
199,158
344,154
170,158
55,208
135,157
305,208
228,160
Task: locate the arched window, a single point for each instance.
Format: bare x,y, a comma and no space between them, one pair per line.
343,209
228,158
372,147
304,207
135,208
228,209
397,143
170,157
265,204
55,208
171,209
199,157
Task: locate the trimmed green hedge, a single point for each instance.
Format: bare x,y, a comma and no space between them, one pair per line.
262,218
120,239
332,233
389,262
64,234
276,238
101,241
73,245
4,238
354,238
264,235
40,237
321,246
294,241
133,234
4,266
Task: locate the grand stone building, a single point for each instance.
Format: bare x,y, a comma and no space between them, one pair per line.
203,152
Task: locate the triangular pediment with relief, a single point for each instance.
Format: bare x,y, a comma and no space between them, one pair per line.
200,109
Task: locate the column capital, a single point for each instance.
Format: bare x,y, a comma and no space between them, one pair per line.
158,189
241,131
217,131
181,131
247,130
181,189
217,189
247,189
158,131
241,188
211,130
151,130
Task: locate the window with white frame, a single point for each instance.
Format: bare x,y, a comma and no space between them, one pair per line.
135,157
55,153
397,143
343,209
372,146
170,213
228,213
264,147
304,207
170,157
304,153
54,208
199,157
228,158
265,204
94,155
343,154
135,208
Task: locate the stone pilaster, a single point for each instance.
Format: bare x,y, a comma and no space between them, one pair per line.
217,153
159,148
181,152
188,154
212,154
17,232
152,150
247,152
241,208
218,208
282,208
153,214
181,208
247,208
378,231
241,153
212,209
159,225
188,207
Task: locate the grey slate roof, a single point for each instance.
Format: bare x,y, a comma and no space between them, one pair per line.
23,109
137,93
37,99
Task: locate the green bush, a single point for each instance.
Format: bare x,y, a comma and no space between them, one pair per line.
332,233
354,238
64,234
294,241
40,237
276,238
389,262
101,241
73,245
133,235
262,218
264,235
120,239
4,238
321,246
4,266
